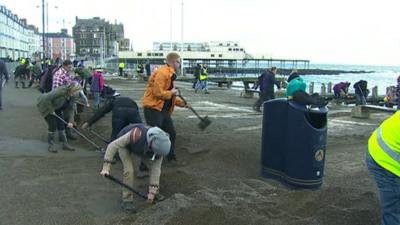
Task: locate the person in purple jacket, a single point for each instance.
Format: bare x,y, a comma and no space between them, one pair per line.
341,89
266,82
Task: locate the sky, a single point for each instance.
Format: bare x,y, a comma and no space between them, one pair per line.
359,32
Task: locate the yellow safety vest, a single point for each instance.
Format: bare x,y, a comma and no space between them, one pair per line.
204,74
122,65
384,144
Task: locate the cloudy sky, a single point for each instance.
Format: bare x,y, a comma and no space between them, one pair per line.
324,31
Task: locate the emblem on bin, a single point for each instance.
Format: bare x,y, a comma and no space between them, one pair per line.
319,155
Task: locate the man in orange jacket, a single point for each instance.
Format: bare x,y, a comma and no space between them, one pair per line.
160,99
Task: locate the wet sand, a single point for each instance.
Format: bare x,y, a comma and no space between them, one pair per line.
220,183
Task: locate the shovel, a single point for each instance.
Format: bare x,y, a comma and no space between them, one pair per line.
142,195
80,134
99,136
204,121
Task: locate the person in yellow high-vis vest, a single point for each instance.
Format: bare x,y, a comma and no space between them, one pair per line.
383,162
203,82
121,68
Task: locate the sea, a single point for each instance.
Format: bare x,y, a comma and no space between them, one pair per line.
382,76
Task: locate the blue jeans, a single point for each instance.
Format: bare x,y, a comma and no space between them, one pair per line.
96,100
1,87
360,100
203,84
389,192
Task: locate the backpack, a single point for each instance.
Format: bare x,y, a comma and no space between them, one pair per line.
46,78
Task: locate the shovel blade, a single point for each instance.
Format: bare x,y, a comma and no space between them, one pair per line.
204,123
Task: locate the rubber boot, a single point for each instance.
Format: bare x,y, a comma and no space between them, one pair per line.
30,83
16,84
50,141
70,136
63,137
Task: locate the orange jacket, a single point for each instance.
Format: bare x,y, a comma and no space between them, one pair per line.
157,90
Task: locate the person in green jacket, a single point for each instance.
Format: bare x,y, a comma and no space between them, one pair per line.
54,103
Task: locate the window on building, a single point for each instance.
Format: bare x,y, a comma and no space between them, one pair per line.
220,55
229,49
212,55
148,54
139,54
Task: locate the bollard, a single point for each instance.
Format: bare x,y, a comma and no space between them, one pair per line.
330,88
311,88
323,90
375,92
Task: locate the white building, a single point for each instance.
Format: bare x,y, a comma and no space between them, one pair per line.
13,35
192,51
34,41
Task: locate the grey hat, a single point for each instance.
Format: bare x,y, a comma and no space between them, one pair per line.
158,141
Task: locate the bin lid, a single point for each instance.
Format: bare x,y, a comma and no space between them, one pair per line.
308,108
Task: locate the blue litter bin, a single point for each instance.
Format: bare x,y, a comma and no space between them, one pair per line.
294,143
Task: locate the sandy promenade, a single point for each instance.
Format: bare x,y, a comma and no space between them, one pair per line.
220,183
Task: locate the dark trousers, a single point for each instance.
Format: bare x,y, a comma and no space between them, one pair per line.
122,117
54,123
1,88
262,98
121,72
164,121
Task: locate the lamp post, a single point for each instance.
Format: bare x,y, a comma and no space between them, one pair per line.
170,25
43,32
182,68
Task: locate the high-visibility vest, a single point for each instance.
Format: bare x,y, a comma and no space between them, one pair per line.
122,65
384,144
203,74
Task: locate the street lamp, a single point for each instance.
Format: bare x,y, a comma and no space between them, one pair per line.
182,72
45,28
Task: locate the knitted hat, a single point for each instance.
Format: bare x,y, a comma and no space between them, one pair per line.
158,141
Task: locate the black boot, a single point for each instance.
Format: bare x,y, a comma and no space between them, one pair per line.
63,137
30,83
70,136
50,141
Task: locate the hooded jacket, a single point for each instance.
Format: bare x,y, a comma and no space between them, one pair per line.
53,100
158,90
97,82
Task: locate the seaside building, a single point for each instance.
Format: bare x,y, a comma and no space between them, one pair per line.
14,37
97,38
59,45
34,41
192,51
